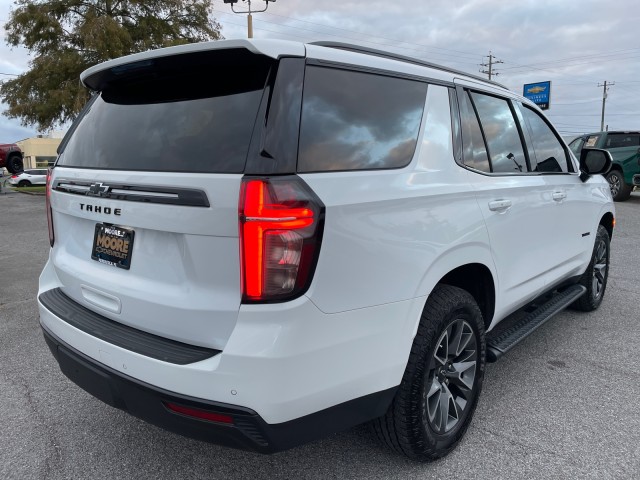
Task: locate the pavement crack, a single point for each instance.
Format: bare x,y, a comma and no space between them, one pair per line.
528,449
54,458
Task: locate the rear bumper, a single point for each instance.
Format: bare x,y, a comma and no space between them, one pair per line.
247,431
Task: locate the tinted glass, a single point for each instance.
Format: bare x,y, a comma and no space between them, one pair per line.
618,140
179,121
576,146
475,152
358,121
550,155
501,132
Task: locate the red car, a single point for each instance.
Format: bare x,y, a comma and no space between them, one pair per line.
11,157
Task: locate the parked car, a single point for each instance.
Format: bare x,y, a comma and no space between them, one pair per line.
324,235
29,177
625,150
11,157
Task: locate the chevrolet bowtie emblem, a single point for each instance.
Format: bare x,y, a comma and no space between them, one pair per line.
98,190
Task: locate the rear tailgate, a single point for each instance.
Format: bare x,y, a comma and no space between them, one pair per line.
145,195
183,282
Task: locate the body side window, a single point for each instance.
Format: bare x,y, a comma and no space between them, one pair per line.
475,152
620,140
353,120
503,137
550,155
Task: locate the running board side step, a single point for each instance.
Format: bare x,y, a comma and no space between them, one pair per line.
509,338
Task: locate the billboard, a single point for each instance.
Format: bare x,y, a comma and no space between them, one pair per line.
539,93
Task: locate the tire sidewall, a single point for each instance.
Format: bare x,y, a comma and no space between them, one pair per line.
441,444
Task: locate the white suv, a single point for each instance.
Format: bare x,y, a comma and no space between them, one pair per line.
29,177
257,243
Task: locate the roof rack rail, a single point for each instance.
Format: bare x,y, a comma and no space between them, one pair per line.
403,58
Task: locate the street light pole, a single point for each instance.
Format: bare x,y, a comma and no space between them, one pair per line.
248,12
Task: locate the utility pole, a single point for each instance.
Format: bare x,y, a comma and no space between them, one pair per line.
492,61
605,88
249,12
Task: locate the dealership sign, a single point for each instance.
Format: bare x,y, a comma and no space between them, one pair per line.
539,93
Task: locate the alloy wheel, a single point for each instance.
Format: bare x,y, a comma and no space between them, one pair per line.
599,269
451,377
614,183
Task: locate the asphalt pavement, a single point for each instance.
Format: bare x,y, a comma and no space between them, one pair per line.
562,404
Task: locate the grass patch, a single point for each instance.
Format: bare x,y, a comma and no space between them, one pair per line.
34,188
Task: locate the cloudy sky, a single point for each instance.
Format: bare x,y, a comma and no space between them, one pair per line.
577,44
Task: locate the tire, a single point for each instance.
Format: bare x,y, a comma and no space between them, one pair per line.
596,275
14,164
620,191
414,424
24,183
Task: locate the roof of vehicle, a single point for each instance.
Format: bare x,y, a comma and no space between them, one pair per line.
271,48
612,131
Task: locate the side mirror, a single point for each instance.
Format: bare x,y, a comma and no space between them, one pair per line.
594,161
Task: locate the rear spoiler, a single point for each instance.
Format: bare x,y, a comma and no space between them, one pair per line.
96,77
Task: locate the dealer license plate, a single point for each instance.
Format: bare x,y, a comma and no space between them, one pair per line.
112,245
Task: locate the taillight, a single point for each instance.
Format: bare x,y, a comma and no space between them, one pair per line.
48,207
14,176
281,223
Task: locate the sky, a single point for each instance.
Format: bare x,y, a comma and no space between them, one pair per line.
576,44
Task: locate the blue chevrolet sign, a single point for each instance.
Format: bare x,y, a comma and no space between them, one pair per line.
539,93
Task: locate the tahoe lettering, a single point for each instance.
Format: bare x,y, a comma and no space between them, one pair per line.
98,209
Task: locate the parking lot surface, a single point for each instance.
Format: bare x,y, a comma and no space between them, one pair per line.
562,404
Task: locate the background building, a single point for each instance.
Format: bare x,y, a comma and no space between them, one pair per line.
40,151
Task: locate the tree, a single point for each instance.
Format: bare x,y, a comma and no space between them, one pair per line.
64,37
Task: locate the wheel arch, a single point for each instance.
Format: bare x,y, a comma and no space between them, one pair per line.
476,279
468,267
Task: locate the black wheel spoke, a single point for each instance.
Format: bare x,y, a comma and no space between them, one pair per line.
451,377
600,263
463,374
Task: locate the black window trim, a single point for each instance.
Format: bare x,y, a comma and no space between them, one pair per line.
456,127
378,71
385,73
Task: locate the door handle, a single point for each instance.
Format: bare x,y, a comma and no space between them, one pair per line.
558,196
500,205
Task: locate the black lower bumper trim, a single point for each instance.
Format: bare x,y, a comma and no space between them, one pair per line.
121,335
248,430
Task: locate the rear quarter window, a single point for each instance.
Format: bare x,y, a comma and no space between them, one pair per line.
358,121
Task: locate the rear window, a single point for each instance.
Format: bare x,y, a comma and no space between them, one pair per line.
358,121
196,118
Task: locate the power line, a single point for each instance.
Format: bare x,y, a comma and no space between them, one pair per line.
490,65
375,36
446,56
569,59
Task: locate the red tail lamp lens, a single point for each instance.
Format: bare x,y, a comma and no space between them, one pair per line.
280,230
199,413
48,207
